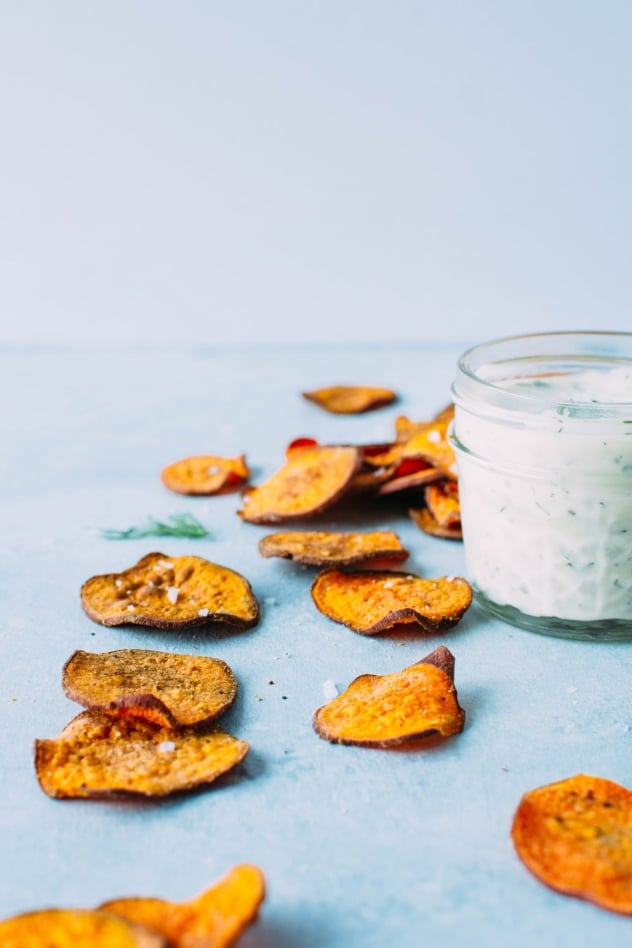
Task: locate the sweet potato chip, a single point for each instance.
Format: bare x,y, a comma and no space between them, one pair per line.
575,836
311,480
319,548
192,688
351,399
443,504
205,475
171,593
215,919
98,755
76,928
296,444
373,601
387,710
424,520
411,473
432,445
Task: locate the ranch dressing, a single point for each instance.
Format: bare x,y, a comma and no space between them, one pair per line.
544,456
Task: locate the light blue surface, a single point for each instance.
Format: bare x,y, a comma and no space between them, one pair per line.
325,169
359,847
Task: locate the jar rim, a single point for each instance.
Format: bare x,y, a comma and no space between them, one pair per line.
564,351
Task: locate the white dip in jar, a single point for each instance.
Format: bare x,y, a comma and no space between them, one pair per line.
543,437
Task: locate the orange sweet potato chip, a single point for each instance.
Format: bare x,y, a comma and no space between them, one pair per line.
205,475
100,756
425,521
320,548
215,919
171,593
432,445
575,837
351,399
443,504
410,473
373,601
405,428
387,710
311,480
76,928
187,689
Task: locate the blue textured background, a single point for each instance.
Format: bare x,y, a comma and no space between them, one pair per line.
209,170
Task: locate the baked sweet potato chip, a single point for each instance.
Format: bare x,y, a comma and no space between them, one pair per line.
205,475
214,919
427,523
351,399
312,479
575,836
320,548
76,928
387,710
443,504
373,601
191,688
432,445
410,473
406,428
98,755
171,593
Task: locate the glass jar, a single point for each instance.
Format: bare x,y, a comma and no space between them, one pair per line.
543,438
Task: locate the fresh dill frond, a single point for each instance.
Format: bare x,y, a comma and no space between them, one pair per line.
178,525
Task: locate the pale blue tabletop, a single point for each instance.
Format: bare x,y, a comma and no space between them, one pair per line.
359,847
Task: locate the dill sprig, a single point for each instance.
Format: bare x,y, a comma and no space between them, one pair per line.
178,525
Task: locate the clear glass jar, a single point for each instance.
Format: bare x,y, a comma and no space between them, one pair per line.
543,438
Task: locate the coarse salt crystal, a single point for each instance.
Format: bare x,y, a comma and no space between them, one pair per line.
172,594
213,469
434,436
329,690
202,612
388,584
118,583
166,747
164,563
131,608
